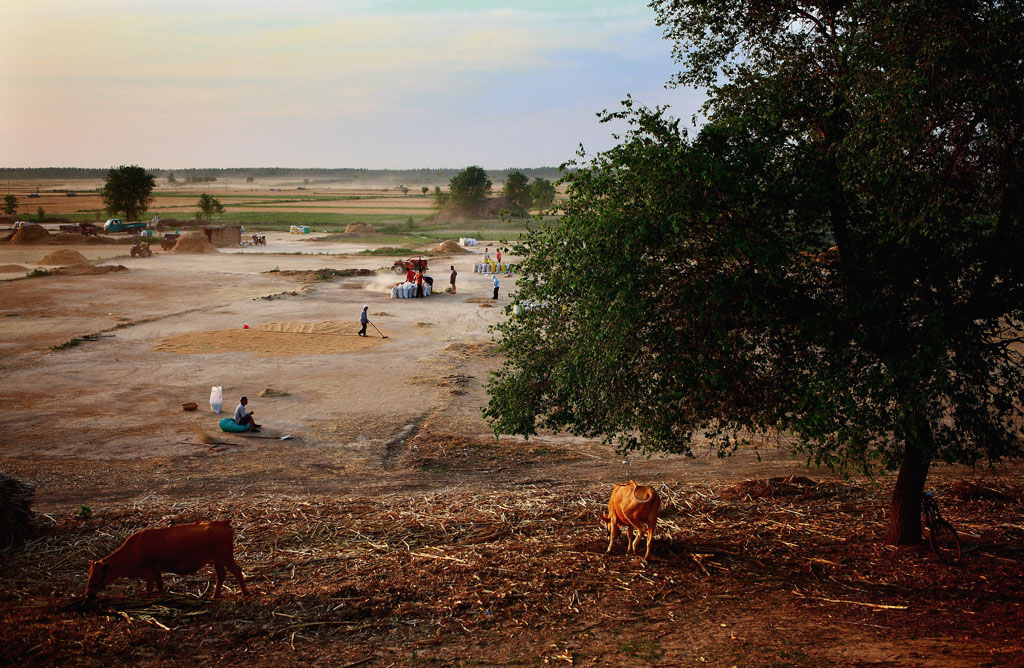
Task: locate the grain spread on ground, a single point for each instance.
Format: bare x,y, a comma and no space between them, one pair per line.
359,227
63,257
85,269
194,242
272,339
31,234
11,268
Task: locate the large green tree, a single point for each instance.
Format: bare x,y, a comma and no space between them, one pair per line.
517,192
468,190
543,192
208,206
836,254
10,205
128,189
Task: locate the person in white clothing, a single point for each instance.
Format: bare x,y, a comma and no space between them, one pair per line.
495,287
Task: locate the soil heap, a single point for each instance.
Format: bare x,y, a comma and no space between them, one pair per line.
31,234
89,269
11,268
63,257
194,242
359,227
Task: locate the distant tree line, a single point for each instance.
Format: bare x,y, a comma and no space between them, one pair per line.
202,175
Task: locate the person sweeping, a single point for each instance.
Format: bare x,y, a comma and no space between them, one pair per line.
364,318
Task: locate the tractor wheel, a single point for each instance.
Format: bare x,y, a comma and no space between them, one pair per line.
399,269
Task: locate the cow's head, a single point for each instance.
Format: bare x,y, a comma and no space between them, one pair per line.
98,571
605,522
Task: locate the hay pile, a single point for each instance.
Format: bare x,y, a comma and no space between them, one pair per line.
11,268
15,509
359,227
194,242
63,257
451,246
31,234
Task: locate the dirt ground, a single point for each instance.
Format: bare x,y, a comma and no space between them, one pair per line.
392,529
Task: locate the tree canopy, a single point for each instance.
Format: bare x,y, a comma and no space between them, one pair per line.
128,189
10,205
543,192
468,190
835,254
208,206
517,192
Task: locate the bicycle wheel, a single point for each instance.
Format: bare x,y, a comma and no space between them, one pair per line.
944,541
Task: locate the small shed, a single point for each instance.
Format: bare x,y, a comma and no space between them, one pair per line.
223,235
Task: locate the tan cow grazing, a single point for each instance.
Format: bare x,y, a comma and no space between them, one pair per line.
182,549
632,506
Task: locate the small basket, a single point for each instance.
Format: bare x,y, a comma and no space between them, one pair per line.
190,406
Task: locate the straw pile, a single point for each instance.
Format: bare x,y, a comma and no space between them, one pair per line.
63,257
31,234
15,509
360,228
450,247
194,242
11,268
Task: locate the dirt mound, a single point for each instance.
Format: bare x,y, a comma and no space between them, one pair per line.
271,392
11,268
31,234
63,257
466,350
65,238
450,246
194,242
359,227
272,339
89,270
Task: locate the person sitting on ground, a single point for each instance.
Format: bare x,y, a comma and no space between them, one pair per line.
363,320
243,418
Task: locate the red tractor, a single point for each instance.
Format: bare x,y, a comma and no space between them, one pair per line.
403,266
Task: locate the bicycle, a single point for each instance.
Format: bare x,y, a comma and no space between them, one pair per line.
942,537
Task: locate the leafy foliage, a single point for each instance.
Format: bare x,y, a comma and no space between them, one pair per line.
467,190
10,205
517,192
836,254
208,206
128,189
543,192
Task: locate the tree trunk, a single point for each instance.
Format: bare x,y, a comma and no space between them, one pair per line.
905,510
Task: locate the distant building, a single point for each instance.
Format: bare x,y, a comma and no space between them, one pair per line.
223,235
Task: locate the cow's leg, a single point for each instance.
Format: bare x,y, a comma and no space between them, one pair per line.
220,579
613,530
159,582
650,537
629,537
150,583
237,572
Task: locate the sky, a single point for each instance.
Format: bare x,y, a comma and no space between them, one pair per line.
323,83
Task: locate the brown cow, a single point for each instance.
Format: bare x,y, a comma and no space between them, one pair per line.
632,506
181,549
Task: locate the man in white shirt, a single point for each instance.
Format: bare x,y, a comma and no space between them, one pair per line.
241,417
495,286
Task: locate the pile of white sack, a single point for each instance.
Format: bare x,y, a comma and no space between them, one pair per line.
466,241
407,290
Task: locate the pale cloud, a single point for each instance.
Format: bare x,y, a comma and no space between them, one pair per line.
103,67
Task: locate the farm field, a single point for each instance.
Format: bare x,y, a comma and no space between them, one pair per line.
392,528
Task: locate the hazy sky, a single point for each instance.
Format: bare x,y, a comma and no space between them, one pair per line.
321,83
